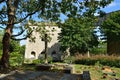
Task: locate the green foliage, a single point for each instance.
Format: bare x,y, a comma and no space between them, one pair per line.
111,30
100,49
69,59
78,34
1,36
103,60
16,59
28,61
14,46
111,26
17,51
50,10
98,64
36,61
50,59
22,49
41,60
96,72
0,53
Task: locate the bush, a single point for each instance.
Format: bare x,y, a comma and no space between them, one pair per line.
36,61
42,60
69,59
97,51
112,61
16,59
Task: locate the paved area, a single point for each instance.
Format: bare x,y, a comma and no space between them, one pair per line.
39,75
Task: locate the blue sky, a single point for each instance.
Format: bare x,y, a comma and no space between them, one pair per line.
114,6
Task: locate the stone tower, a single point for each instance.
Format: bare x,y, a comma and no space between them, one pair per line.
35,49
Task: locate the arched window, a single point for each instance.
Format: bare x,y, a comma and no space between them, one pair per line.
33,54
54,52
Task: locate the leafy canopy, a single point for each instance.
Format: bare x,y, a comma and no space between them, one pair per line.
111,26
45,10
78,34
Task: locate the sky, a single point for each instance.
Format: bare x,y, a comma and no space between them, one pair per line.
114,6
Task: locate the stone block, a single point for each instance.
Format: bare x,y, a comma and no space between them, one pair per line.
44,67
86,75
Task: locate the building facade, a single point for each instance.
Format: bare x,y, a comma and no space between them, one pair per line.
34,49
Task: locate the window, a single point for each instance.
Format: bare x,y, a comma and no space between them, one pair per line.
33,54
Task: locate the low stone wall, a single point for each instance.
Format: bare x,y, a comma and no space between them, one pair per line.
64,68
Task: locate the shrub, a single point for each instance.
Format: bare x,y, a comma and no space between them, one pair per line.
36,61
69,59
103,60
16,59
42,60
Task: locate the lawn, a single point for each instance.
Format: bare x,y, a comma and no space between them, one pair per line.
96,72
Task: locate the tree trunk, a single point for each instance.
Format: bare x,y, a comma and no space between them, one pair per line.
5,55
113,47
11,10
46,49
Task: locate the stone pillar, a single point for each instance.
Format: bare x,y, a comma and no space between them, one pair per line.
86,75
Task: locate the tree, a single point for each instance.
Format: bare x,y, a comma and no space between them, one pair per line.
78,35
111,30
14,12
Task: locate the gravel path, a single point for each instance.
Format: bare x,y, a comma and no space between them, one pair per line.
39,75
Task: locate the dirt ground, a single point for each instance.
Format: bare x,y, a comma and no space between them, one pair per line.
39,75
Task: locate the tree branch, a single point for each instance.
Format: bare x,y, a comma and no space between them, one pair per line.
16,3
19,33
4,22
1,1
25,17
19,38
2,27
37,9
13,38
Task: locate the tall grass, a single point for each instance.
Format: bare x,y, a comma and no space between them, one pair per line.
103,59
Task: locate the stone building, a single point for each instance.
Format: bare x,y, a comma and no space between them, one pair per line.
35,49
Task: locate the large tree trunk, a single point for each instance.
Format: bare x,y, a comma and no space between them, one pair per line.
113,47
11,10
6,43
5,55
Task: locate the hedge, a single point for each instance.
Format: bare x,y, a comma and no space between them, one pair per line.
112,61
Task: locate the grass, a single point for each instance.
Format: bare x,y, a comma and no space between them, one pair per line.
96,72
